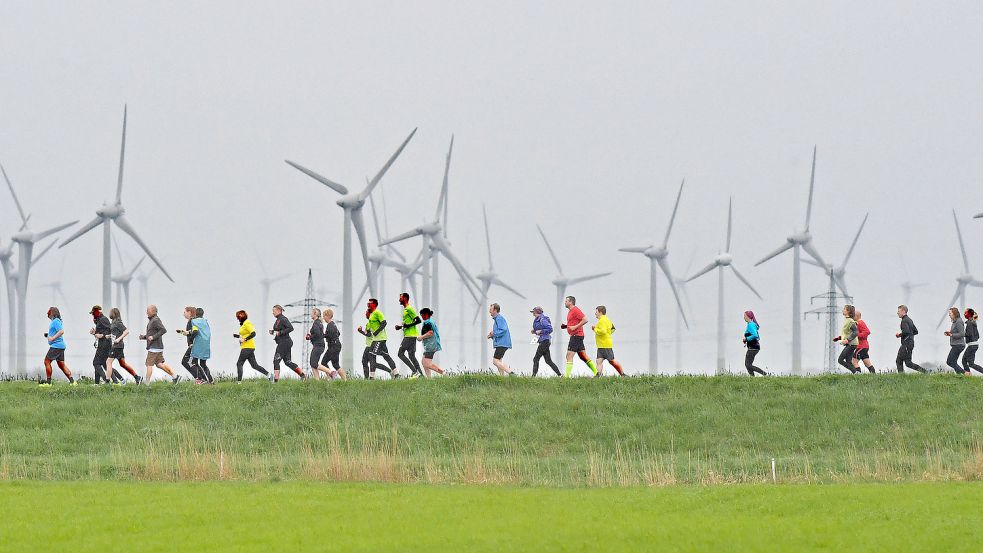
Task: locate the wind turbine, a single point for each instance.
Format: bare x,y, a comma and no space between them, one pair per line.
682,286
387,256
122,282
6,263
561,282
907,286
144,278
352,203
658,260
487,279
837,274
798,242
964,280
721,262
265,284
25,240
55,286
114,214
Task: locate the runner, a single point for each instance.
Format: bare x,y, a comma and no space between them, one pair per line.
247,346
501,339
375,331
407,348
848,339
907,335
367,352
575,328
863,346
104,343
957,340
972,342
752,340
281,335
605,344
316,336
431,341
201,348
56,348
542,327
333,352
119,333
189,314
155,346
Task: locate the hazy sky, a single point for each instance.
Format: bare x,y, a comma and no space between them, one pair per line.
582,117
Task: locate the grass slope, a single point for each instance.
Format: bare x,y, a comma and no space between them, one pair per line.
483,429
220,516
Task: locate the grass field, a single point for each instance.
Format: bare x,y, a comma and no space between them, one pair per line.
488,430
222,516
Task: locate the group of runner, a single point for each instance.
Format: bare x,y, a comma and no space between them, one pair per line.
110,332
963,339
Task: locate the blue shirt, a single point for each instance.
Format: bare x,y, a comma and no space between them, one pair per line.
431,344
544,326
751,332
500,333
54,328
202,346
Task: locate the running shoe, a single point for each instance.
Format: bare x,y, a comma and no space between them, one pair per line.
270,377
177,379
74,383
138,379
44,385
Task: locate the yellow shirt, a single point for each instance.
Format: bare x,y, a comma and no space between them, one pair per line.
245,330
602,332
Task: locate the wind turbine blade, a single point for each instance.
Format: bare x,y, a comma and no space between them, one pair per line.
785,247
378,176
812,186
578,280
812,262
978,216
484,214
44,251
635,249
855,238
959,291
962,247
481,302
44,234
811,250
119,252
125,226
14,194
469,281
359,223
279,278
122,154
339,188
375,217
442,202
23,225
446,199
730,220
400,237
703,271
745,281
135,267
499,282
393,251
665,243
358,298
550,248
664,265
841,284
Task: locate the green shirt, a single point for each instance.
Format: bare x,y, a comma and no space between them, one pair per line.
375,322
409,315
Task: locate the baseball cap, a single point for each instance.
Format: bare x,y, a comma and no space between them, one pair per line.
537,310
94,309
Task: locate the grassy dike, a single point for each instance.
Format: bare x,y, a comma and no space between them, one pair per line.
488,430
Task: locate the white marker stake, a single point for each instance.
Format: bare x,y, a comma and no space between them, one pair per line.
774,478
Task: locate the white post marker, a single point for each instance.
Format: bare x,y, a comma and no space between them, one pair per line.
774,478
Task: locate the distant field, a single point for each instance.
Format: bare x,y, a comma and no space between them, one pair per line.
222,516
488,430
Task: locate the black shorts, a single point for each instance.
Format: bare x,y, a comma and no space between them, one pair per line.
379,348
576,344
117,354
55,354
429,354
331,357
500,353
315,357
863,354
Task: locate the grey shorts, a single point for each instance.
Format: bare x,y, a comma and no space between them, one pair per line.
606,354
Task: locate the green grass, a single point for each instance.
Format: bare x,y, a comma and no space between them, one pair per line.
484,429
141,516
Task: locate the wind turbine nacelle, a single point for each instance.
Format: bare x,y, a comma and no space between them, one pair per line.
350,201
725,259
656,252
964,279
25,237
110,211
800,238
561,281
485,277
429,228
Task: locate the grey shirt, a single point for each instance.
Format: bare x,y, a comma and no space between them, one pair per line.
155,333
957,333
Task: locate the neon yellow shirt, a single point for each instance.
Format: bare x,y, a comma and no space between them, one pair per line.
245,330
409,315
603,331
375,322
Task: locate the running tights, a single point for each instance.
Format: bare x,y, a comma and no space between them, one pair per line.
749,362
953,359
846,358
969,359
543,352
248,354
904,358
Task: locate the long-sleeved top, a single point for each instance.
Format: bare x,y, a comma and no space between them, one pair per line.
317,334
751,334
103,328
957,333
282,328
248,334
188,327
155,333
202,335
332,336
862,333
972,333
848,333
603,331
500,333
543,327
908,330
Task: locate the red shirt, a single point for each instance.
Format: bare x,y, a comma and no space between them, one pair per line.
862,333
574,316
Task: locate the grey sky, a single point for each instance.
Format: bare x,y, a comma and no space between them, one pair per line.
581,117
